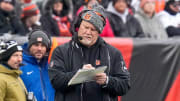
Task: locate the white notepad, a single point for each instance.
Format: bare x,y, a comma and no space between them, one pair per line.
86,75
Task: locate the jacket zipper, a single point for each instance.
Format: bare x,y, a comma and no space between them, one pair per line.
82,91
44,97
82,85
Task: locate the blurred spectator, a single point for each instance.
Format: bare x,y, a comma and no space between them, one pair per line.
30,17
55,20
151,25
107,31
9,21
131,8
122,22
170,17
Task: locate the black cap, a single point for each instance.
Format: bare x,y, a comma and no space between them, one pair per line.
7,49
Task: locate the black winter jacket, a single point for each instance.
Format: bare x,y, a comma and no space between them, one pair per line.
10,23
49,25
70,57
131,28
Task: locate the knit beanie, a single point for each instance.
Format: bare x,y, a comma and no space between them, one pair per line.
7,49
95,16
38,36
13,2
29,10
143,2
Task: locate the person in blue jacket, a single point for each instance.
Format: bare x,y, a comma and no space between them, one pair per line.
35,69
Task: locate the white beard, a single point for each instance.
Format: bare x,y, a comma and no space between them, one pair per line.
85,42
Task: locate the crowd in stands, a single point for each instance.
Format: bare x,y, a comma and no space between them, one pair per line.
157,19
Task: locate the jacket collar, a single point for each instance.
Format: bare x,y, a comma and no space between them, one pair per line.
4,69
99,41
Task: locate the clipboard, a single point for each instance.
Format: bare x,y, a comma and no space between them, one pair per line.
86,75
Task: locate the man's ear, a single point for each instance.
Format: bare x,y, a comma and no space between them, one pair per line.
77,22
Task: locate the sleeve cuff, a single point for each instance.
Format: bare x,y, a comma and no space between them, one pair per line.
107,80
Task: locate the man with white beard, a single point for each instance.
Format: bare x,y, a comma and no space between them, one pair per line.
87,50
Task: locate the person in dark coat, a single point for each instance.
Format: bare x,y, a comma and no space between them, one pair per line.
55,20
122,22
87,50
9,21
107,31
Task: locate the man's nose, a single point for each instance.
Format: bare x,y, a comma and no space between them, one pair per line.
39,47
20,58
88,31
